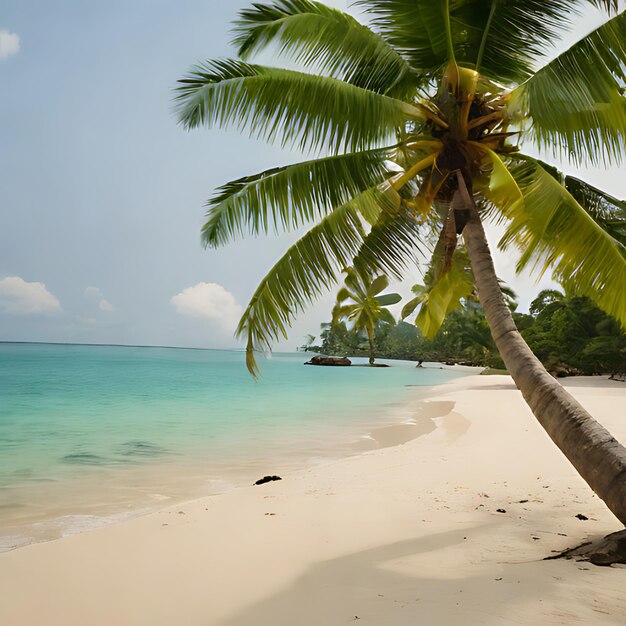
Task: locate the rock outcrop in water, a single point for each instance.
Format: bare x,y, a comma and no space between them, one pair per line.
329,360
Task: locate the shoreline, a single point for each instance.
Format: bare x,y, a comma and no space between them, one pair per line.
131,492
395,534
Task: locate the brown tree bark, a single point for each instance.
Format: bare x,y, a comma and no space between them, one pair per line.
597,456
370,337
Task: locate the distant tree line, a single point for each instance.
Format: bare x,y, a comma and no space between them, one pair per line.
568,333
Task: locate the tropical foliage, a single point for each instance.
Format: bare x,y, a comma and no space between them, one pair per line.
433,90
568,333
361,302
416,131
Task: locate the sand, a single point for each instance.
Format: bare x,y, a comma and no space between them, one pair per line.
407,531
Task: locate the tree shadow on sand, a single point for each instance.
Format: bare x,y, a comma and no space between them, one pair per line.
424,580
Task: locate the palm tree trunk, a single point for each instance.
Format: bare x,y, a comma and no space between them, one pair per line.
370,337
597,456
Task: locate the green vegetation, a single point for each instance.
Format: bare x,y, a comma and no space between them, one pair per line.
414,130
361,303
567,333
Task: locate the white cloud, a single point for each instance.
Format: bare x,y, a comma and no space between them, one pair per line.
9,44
103,304
22,298
209,301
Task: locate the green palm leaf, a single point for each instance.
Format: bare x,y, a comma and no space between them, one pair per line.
575,103
607,5
500,187
305,271
418,29
607,211
380,283
442,292
289,196
288,106
554,232
512,35
446,282
388,299
385,315
367,307
503,39
313,33
392,244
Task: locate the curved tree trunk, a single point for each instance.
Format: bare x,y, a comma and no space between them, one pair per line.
597,456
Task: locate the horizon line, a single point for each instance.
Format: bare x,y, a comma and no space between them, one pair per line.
110,345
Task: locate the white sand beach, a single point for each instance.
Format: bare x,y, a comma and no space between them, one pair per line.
405,532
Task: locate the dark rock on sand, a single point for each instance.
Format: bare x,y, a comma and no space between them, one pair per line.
267,479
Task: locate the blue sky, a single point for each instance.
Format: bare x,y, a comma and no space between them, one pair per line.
101,192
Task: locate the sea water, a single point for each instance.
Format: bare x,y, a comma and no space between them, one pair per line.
89,434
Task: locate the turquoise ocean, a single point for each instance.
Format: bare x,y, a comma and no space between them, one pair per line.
93,434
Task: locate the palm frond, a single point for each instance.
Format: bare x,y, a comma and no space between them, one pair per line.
512,35
312,112
416,28
287,197
503,38
611,6
392,244
380,283
312,33
388,299
607,211
306,270
386,315
554,232
576,103
442,292
498,185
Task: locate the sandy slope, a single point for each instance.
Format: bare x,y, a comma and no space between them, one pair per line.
403,534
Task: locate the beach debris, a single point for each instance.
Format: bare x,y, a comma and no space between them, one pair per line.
181,512
270,514
581,517
500,510
267,479
522,501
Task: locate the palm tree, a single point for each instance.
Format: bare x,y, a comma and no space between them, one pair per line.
361,302
415,126
306,346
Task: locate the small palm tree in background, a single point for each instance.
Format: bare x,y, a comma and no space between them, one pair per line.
417,127
360,302
308,342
